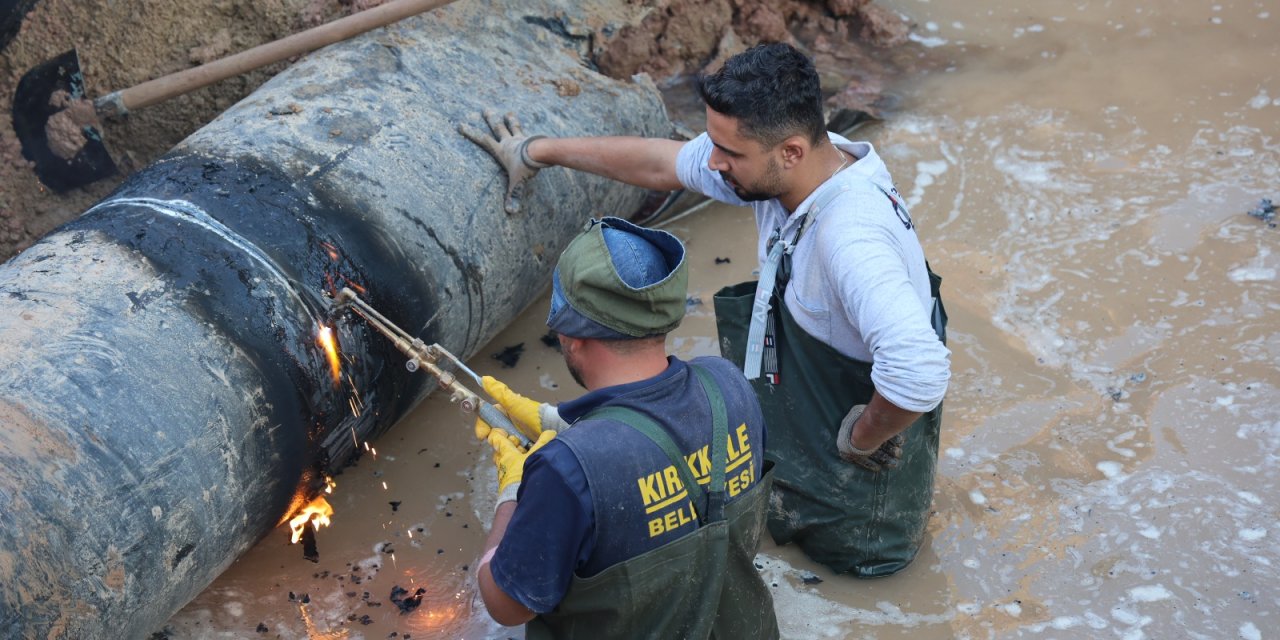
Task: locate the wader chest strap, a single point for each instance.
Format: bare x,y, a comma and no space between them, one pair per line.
714,509
769,275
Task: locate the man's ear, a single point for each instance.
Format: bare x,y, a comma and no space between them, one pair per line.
568,344
794,150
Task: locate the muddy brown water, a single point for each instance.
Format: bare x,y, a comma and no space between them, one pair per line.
1080,176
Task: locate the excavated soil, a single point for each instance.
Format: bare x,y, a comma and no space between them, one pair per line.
125,42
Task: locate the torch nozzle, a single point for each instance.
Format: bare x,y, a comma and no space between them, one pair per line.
339,305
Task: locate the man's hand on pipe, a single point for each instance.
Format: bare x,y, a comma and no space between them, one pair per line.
507,143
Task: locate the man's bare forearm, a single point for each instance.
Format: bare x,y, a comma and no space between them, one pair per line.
504,609
880,421
649,163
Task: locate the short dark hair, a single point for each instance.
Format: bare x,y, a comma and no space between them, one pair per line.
772,90
629,346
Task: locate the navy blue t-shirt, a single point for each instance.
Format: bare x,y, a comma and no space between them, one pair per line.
601,493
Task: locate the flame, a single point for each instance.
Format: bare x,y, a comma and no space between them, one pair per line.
326,339
316,512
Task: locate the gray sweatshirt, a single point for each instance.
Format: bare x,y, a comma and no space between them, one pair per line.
858,279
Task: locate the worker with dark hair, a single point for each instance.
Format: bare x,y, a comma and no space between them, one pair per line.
843,336
638,511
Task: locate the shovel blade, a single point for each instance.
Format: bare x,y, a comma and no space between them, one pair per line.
31,113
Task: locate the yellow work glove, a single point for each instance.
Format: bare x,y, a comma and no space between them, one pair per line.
530,416
509,458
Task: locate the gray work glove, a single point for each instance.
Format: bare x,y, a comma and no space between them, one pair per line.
508,145
885,456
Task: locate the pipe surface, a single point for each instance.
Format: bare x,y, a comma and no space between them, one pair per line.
163,400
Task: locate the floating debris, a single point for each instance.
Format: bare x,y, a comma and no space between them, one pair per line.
722,260
395,505
551,339
1265,212
262,627
404,600
309,549
509,356
810,578
692,301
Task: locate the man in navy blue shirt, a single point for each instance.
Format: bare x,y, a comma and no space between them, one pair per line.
639,509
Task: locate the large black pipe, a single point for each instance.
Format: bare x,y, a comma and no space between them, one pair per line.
163,403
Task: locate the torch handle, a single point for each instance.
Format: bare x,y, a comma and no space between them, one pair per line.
499,420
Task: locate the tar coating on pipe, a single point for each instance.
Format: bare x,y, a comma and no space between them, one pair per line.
264,284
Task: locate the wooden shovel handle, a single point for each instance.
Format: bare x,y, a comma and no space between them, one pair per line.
176,84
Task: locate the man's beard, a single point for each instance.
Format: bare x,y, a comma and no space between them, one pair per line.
768,188
574,371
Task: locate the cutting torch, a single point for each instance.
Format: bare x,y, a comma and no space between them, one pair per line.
428,357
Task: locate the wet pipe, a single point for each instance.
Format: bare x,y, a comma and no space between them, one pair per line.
163,401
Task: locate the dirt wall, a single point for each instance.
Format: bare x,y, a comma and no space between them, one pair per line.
856,45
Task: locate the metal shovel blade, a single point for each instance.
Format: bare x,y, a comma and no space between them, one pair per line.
32,109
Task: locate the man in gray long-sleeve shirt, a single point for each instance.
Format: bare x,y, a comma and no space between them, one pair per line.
843,337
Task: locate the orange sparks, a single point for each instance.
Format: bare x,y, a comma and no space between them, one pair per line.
326,339
316,512
358,289
331,250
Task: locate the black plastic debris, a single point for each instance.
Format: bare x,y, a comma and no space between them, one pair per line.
722,260
1266,212
809,578
551,339
395,505
262,627
509,356
309,549
406,601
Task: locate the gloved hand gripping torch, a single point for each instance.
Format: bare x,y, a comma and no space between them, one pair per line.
428,356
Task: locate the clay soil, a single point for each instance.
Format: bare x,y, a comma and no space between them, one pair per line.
121,43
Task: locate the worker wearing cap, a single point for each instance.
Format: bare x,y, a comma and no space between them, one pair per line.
642,517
